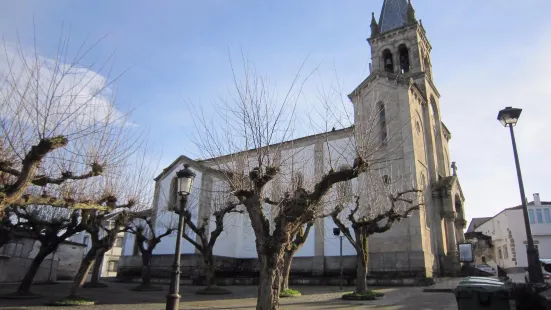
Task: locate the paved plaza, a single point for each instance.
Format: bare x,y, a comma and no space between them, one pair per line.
119,296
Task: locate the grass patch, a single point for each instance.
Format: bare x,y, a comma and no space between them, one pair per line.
369,295
72,301
289,293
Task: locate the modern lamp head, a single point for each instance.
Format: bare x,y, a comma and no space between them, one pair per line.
185,180
509,116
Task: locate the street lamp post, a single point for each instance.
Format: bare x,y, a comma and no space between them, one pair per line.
185,182
509,118
337,232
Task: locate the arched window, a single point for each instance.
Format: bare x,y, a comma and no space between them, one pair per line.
388,61
382,121
404,58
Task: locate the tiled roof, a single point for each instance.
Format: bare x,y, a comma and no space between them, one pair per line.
477,221
393,15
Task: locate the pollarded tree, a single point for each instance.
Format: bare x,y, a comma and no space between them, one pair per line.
372,206
127,193
298,241
50,226
253,129
57,124
103,228
147,238
200,231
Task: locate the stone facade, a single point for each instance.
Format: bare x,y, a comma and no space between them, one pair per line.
401,97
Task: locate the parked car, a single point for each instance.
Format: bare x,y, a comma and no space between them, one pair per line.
486,268
545,269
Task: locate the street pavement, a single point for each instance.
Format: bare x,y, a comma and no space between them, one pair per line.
120,296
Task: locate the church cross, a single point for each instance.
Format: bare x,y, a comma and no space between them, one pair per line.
454,167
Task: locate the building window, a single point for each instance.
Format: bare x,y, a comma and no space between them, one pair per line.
418,127
118,242
539,216
386,179
547,215
505,252
382,121
112,267
499,253
531,216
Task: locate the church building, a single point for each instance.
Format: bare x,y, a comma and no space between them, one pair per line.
402,95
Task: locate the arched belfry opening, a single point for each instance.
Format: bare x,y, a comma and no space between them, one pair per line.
388,61
404,58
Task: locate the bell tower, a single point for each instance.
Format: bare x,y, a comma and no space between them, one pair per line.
398,41
399,99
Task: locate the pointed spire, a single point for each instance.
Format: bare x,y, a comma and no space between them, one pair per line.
411,14
394,14
375,31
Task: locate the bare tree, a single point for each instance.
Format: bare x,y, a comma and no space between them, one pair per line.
147,238
103,229
247,144
199,230
376,203
6,230
128,193
298,241
50,226
58,124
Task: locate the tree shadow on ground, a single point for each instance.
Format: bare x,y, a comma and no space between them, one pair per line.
242,297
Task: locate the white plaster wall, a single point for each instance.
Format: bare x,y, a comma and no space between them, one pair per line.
128,245
168,243
227,242
498,227
332,243
246,242
336,153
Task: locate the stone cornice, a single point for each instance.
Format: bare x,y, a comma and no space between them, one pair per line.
460,223
399,78
392,33
449,215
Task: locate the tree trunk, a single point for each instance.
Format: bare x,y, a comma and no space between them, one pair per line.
287,261
268,288
361,274
96,272
25,286
146,268
83,270
209,269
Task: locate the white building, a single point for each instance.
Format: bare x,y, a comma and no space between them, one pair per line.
110,258
401,88
508,233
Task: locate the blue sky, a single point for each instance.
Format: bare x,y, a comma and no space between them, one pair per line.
486,55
